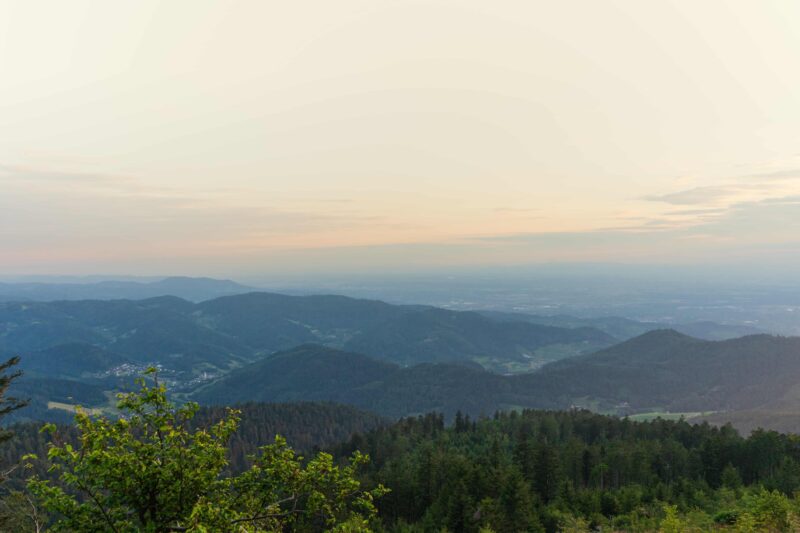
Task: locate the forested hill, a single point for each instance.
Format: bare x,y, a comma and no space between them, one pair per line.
670,371
394,360
437,335
659,371
212,336
625,328
313,372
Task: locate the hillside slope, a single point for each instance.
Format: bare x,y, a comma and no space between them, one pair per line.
212,337
661,371
317,373
431,335
625,328
670,371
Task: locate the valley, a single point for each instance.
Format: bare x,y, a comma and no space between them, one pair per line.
396,360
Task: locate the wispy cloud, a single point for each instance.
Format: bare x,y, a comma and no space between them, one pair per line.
39,210
716,207
54,181
12,172
87,183
122,216
790,173
695,196
764,224
696,212
517,210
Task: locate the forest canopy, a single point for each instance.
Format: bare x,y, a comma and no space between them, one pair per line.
167,467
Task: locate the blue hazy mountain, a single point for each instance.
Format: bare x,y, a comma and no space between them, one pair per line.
193,289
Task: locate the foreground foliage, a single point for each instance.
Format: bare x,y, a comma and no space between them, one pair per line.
150,471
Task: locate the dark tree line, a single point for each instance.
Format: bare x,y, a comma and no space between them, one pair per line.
551,470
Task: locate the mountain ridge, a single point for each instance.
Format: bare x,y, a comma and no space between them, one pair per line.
219,334
189,288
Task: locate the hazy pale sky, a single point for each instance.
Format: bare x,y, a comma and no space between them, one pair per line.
208,137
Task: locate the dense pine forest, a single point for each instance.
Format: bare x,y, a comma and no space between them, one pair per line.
541,471
578,471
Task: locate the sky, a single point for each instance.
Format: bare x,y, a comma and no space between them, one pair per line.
232,138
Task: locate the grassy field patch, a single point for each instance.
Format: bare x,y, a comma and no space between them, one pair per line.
72,408
665,415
